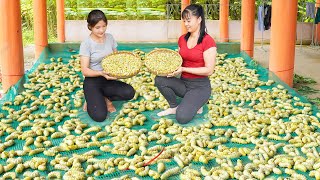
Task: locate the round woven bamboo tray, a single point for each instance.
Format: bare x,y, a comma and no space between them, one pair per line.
162,62
122,64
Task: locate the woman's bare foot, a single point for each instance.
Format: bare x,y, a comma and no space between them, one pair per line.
110,106
84,107
168,111
200,111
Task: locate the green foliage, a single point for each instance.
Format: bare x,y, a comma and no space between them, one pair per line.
298,79
304,90
302,11
235,10
301,84
28,22
315,101
27,14
117,9
28,36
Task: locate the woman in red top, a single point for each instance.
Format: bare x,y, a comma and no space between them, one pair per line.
198,51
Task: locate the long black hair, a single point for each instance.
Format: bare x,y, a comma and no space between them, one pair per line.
94,17
195,10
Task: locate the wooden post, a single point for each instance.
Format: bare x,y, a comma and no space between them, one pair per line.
184,4
224,22
283,38
247,26
60,21
317,32
40,26
11,48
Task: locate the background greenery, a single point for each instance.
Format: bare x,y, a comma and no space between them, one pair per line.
28,24
304,86
129,10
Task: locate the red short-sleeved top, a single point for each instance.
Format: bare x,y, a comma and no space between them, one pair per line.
194,57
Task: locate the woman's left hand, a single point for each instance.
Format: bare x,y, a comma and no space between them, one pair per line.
106,75
175,73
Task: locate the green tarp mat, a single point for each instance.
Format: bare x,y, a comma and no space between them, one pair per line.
65,51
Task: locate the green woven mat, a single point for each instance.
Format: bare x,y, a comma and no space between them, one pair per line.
152,118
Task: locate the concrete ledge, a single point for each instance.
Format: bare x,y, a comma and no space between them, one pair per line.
169,31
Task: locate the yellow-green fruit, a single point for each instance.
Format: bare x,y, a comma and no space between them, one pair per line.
122,64
163,61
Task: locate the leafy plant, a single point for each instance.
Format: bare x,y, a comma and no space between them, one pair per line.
28,21
298,79
304,90
315,101
301,84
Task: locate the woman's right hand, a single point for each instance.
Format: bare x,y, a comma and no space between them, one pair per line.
176,72
106,75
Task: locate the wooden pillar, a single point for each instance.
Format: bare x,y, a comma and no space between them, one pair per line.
247,26
60,21
184,4
11,48
318,25
224,22
40,26
283,38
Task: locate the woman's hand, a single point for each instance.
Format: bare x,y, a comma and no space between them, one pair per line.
175,73
106,75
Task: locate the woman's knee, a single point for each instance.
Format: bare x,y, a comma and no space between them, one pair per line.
159,81
99,116
129,93
183,117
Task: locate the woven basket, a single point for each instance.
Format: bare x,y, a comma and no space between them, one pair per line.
162,62
122,64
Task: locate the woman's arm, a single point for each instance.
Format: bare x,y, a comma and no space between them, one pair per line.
209,63
87,72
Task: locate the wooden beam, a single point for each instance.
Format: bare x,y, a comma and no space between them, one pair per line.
40,26
283,38
224,20
60,21
247,26
184,4
11,48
